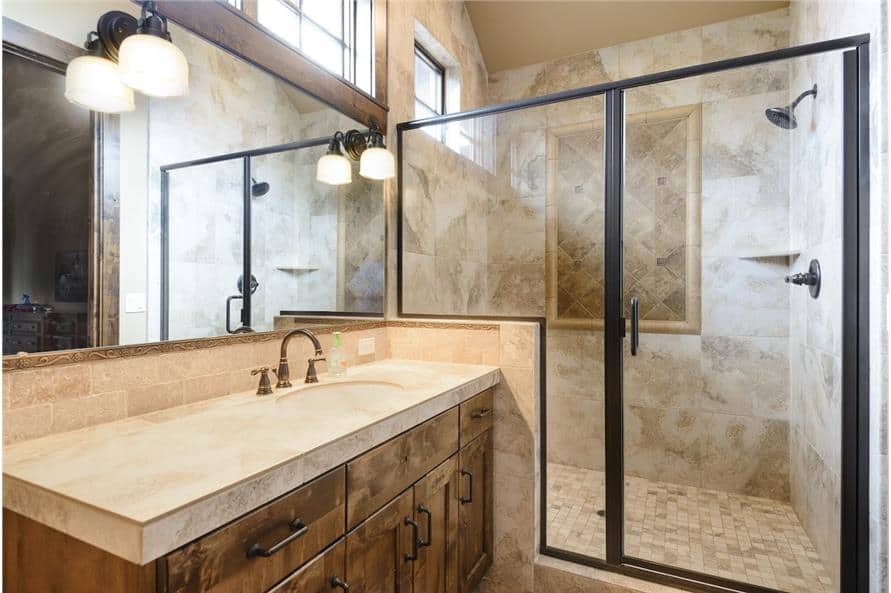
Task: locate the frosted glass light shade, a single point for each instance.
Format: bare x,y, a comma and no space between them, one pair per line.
377,163
334,169
95,83
153,66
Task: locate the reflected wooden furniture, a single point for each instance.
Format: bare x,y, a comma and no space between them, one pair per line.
412,515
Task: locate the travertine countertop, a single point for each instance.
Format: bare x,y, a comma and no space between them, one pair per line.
144,486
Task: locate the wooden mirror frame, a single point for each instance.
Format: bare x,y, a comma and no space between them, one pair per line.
104,223
239,32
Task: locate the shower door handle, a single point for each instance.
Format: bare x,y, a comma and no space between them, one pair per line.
635,325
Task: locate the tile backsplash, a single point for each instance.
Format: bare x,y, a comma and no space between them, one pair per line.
46,400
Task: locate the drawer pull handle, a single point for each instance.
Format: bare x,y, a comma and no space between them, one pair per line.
480,413
467,499
298,530
426,543
336,582
415,539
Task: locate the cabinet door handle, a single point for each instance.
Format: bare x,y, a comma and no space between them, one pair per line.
467,499
298,530
336,582
422,543
480,413
415,539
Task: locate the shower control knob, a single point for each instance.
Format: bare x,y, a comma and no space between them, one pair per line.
811,278
805,278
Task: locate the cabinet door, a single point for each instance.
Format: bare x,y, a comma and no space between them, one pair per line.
323,574
380,551
475,510
436,511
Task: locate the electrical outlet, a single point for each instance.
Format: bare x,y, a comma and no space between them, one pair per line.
135,302
366,347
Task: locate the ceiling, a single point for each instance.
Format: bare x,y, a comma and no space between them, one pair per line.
515,33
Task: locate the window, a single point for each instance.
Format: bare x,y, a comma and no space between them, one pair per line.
336,34
429,84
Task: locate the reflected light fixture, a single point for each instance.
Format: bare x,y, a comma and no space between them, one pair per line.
93,81
334,168
149,61
376,161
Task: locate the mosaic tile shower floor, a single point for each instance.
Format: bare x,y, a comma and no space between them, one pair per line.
746,538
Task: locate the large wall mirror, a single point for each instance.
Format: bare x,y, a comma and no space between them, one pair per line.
139,227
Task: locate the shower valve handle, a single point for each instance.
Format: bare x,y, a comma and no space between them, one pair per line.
805,278
812,278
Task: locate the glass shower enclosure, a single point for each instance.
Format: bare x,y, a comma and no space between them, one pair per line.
693,244
261,214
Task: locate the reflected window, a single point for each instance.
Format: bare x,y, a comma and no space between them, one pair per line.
336,34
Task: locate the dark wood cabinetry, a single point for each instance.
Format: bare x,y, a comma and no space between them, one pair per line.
413,515
436,512
475,539
380,551
318,576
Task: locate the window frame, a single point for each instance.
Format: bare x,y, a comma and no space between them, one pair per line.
347,41
436,66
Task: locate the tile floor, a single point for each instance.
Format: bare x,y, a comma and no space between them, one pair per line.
746,538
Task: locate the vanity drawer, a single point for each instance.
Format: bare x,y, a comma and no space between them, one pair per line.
318,574
375,478
476,415
219,562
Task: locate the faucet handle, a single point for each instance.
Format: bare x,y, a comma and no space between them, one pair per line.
311,375
265,387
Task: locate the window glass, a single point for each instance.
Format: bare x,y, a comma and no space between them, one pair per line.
429,84
327,14
322,47
336,34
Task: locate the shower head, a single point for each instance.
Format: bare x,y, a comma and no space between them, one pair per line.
784,117
259,189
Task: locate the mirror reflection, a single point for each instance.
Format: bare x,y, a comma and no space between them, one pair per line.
139,227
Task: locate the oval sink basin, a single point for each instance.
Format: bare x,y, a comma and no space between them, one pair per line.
346,388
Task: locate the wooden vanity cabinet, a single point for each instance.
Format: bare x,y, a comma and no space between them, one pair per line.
475,512
436,512
381,550
412,515
317,576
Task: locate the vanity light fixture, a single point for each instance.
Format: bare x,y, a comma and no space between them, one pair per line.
334,168
93,81
149,61
375,161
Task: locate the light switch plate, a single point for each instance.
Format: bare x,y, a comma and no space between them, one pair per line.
366,347
135,302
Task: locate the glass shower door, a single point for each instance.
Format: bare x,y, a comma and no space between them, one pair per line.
730,374
201,238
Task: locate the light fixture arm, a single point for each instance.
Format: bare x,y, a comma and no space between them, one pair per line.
112,28
354,143
152,22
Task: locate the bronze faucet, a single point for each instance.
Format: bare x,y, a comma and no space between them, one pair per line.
283,373
264,388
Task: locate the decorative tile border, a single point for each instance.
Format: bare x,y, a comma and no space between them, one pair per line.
17,362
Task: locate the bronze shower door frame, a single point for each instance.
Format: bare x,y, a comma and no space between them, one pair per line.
854,536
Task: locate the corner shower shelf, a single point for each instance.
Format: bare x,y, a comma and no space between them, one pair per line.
296,268
768,253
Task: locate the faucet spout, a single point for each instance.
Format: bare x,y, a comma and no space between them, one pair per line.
283,374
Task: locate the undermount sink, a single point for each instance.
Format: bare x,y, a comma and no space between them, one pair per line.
347,388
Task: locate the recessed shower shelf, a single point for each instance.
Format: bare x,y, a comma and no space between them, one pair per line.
770,253
296,268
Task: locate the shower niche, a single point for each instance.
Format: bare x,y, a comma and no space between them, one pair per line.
662,232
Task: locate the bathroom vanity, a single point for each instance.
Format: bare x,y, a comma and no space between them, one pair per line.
378,482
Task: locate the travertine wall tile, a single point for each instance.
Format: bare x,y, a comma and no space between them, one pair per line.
41,401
